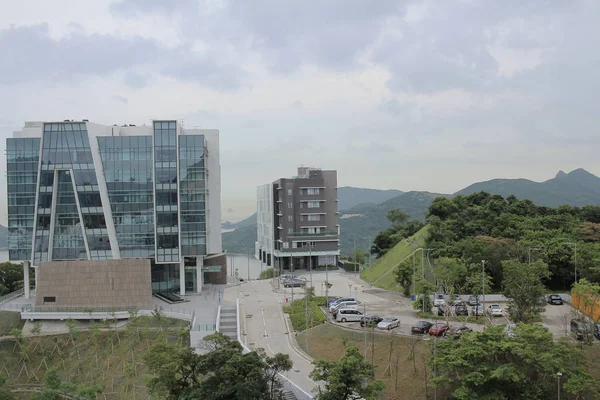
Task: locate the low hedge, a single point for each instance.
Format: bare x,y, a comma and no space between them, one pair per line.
298,316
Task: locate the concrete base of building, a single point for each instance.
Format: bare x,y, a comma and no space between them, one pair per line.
97,284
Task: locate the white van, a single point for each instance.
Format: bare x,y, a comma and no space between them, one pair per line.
343,304
348,315
333,304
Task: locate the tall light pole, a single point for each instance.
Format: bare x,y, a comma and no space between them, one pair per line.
529,252
574,244
354,256
483,289
558,375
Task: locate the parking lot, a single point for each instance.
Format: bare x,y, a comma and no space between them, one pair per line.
384,303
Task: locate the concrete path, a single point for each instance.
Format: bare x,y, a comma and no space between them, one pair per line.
264,326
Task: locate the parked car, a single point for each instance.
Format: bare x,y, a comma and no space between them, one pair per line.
443,310
555,299
421,327
331,300
477,310
293,283
370,320
473,301
438,299
334,313
343,304
340,299
456,332
389,323
457,299
495,310
348,315
581,328
460,308
439,329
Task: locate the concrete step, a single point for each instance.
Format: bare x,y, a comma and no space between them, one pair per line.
228,329
287,395
228,311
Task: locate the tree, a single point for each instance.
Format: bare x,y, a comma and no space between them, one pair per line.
425,290
523,286
397,217
404,276
11,277
449,273
352,377
5,393
223,373
476,284
493,365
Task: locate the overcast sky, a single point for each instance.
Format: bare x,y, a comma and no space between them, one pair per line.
409,95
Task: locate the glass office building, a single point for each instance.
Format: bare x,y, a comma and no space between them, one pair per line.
84,191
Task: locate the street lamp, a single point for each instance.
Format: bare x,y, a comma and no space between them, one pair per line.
483,289
355,257
574,244
558,375
529,252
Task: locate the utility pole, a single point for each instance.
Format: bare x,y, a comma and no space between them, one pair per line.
423,275
248,264
310,262
366,327
414,277
483,289
306,312
355,256
370,265
327,284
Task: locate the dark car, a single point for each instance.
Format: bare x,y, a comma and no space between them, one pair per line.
580,328
442,310
457,332
421,327
439,329
370,320
461,309
472,301
293,283
555,299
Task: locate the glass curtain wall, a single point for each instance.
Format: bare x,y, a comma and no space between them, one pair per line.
127,164
67,239
192,192
22,156
165,164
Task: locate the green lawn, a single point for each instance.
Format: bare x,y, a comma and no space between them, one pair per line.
393,257
10,320
297,312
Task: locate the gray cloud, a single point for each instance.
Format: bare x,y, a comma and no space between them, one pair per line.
121,99
135,7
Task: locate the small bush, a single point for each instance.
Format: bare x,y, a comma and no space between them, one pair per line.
349,266
298,316
268,273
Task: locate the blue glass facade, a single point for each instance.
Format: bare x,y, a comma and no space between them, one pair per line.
78,188
127,164
22,159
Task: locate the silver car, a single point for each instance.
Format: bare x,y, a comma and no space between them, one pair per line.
389,323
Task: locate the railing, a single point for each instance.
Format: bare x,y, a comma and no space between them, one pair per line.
12,295
204,328
313,234
218,320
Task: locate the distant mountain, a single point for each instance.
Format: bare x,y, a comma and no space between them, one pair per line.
577,188
349,197
365,221
251,220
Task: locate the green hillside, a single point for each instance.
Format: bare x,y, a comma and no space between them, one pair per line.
381,273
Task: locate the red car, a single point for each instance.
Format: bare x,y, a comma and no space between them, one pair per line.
439,330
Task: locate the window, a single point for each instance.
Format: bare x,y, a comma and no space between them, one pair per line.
313,230
286,245
312,191
51,299
290,218
313,204
290,204
290,230
289,192
314,217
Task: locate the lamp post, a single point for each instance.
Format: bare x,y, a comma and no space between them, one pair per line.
558,375
529,252
574,244
354,256
483,289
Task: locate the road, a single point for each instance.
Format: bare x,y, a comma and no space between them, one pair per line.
263,325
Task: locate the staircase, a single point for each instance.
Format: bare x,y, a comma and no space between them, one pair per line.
288,395
228,322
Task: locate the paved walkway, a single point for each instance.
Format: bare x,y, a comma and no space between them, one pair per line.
264,325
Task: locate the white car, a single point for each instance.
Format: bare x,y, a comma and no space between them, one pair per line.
389,323
348,315
438,300
495,310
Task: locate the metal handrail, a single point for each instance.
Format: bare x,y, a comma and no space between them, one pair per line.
12,295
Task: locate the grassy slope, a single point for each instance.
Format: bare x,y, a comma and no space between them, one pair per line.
8,321
116,364
394,256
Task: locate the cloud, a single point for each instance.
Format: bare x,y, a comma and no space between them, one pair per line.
121,99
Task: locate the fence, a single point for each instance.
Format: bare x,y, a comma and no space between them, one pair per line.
284,380
10,296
